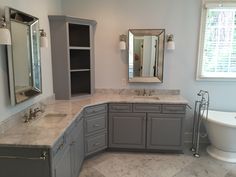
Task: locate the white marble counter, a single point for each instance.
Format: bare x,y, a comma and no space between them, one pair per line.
44,132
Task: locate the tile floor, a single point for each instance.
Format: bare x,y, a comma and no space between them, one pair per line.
126,164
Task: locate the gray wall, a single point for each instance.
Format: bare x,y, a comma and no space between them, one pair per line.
180,17
40,9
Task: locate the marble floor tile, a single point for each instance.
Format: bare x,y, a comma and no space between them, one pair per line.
123,164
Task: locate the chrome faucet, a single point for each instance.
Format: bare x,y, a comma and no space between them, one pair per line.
145,92
32,114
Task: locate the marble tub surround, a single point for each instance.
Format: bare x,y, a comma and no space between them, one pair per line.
44,132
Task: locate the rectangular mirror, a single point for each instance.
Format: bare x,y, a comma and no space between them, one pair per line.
146,55
24,64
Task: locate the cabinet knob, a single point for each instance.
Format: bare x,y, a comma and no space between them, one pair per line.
44,155
96,125
72,143
96,144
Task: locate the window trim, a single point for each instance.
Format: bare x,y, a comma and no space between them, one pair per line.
205,5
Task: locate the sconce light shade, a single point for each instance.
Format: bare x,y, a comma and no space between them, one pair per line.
5,36
123,42
122,45
170,42
43,39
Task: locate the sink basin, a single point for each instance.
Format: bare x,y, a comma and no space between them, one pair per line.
147,97
59,115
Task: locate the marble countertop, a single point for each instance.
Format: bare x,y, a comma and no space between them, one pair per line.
44,132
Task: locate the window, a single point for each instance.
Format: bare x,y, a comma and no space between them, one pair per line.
217,46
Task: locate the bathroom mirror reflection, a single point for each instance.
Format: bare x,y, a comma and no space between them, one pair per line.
23,56
146,55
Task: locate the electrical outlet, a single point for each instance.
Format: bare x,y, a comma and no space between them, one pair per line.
123,82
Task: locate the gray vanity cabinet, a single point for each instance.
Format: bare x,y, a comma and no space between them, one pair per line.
127,130
68,152
164,131
24,162
95,124
62,166
76,142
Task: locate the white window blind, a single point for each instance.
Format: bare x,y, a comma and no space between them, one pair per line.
218,50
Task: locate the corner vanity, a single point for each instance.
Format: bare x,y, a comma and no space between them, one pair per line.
56,144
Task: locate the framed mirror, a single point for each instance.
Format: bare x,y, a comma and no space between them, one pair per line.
24,66
146,55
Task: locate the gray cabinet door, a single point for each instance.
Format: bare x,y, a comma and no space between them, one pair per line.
23,162
127,130
77,148
164,131
62,166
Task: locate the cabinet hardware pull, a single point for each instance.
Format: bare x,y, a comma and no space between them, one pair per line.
96,125
42,157
72,143
96,144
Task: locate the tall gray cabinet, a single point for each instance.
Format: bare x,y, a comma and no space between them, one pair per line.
72,42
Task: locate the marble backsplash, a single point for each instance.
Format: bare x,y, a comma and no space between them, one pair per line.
138,91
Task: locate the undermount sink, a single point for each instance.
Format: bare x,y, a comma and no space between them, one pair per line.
152,97
59,115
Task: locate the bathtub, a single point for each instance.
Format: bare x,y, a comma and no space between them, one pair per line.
221,130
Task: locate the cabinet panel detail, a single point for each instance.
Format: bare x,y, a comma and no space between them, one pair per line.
144,107
93,110
96,143
120,107
164,131
96,123
175,109
127,130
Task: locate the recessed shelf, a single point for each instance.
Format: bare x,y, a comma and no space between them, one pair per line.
79,59
79,35
80,48
80,83
79,70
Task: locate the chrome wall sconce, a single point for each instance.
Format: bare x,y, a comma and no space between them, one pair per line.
43,39
170,42
123,39
5,36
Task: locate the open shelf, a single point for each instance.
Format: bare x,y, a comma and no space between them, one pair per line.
79,35
80,83
79,59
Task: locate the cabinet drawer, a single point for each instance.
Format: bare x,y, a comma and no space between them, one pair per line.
96,123
120,107
139,107
96,143
174,109
93,110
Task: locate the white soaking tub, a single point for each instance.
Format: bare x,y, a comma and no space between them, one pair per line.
221,129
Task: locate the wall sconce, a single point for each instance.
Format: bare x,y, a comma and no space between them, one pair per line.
170,42
5,36
43,39
123,38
